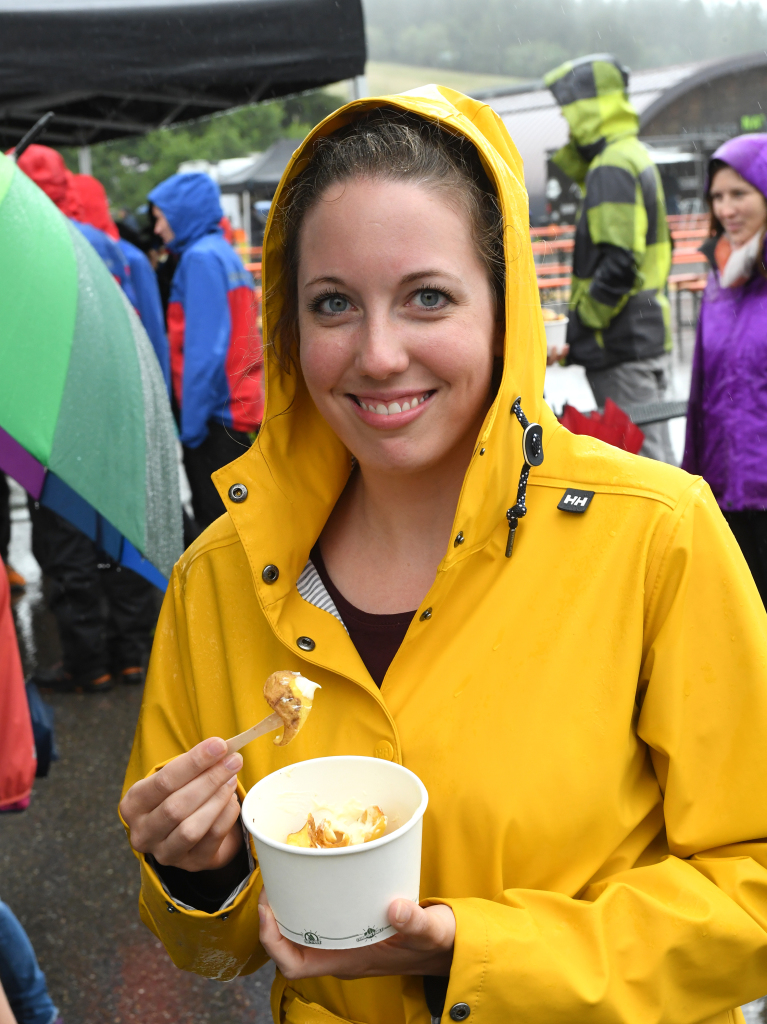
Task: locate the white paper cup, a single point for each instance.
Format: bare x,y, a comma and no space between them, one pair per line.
556,334
337,899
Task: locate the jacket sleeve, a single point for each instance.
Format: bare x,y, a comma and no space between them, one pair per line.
682,935
208,327
617,227
691,461
149,306
223,944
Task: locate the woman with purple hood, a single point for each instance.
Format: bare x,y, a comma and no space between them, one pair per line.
727,417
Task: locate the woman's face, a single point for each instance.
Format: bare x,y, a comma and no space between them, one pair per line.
397,324
739,207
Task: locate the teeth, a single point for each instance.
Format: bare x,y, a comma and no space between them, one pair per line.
394,407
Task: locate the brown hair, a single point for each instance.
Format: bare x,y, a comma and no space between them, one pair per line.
714,224
389,145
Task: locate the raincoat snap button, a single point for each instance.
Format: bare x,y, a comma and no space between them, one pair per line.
481,451
459,539
459,1011
171,908
238,493
385,751
270,574
425,615
306,643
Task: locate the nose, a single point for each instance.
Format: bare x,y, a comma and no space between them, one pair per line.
727,208
382,351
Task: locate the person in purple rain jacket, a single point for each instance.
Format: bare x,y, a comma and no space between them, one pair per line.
727,417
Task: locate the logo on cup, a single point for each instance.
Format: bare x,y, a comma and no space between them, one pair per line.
370,933
312,939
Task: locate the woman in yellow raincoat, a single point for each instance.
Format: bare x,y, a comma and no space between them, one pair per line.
588,715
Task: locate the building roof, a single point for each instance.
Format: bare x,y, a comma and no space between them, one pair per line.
111,68
537,127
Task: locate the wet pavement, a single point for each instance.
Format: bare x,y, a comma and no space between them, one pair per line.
66,869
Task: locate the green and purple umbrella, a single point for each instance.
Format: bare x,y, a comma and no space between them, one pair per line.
85,423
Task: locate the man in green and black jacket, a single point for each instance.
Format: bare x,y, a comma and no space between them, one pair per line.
619,326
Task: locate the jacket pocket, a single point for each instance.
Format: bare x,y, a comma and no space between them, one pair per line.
295,1010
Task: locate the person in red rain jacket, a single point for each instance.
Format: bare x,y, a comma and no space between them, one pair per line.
94,210
46,167
216,359
18,760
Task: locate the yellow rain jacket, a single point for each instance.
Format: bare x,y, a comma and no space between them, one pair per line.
589,716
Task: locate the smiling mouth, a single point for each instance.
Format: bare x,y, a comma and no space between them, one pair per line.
392,408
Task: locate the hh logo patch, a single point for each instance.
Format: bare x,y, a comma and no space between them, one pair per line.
575,501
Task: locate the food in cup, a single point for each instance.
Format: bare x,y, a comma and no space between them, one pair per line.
337,898
290,695
351,824
550,316
556,335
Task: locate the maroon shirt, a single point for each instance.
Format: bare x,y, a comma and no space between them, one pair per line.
376,637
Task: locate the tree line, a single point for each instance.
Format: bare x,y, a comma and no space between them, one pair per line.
130,168
529,37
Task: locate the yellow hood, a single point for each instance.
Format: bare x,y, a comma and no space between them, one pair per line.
298,452
588,717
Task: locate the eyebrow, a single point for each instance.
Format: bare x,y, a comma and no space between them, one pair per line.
407,279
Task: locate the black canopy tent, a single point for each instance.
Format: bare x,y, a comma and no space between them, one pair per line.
111,68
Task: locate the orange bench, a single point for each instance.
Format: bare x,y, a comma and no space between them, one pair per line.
558,245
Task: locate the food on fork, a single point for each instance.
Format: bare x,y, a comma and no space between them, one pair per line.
329,828
290,695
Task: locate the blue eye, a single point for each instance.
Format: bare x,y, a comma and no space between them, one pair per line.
330,304
430,298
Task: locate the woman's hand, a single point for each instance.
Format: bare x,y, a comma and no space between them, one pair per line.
423,945
555,353
186,814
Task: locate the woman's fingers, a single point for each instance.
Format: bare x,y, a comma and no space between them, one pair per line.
152,828
195,825
181,804
423,945
219,844
147,794
429,928
288,956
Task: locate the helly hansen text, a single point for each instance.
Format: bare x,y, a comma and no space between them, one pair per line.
575,501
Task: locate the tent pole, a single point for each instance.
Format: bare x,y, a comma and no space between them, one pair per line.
84,161
358,87
37,129
246,218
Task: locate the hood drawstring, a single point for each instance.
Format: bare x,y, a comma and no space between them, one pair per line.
532,452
